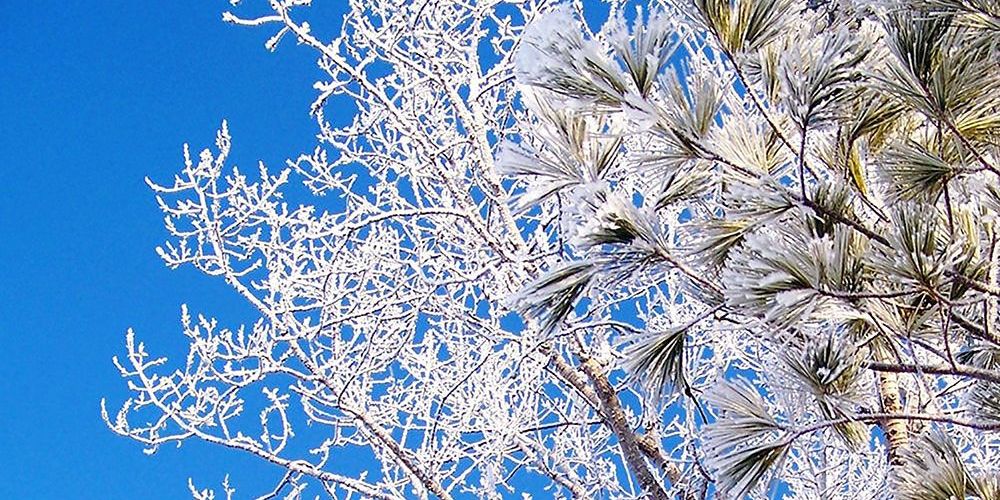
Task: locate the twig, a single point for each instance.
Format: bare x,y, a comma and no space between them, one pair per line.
958,370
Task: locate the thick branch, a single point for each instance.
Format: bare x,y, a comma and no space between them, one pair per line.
896,435
618,422
607,406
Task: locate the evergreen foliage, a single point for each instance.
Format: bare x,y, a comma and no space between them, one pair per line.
832,171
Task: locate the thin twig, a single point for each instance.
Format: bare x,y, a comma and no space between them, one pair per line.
957,371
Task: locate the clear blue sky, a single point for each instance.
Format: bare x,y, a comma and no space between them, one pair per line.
93,97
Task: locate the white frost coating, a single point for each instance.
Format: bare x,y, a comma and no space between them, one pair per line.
486,168
550,32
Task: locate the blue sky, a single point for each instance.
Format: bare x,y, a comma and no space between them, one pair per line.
93,97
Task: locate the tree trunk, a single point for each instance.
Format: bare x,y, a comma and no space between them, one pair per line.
896,435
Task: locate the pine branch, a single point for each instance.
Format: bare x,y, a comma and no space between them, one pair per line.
901,416
974,284
968,145
957,371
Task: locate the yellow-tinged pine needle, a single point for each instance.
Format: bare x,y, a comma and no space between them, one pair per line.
856,169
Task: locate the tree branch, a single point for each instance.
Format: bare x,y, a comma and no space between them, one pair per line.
957,371
618,422
613,416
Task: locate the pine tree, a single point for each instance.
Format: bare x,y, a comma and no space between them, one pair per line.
822,180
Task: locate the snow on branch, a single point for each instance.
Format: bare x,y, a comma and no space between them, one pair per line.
708,249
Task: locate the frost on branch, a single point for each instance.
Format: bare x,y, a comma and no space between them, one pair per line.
820,201
710,249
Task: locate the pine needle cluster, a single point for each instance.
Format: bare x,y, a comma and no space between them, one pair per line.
823,178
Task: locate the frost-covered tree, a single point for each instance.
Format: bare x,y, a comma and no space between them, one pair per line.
712,249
